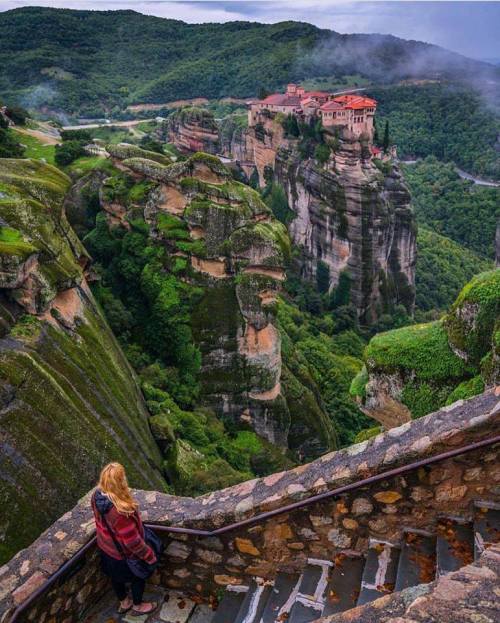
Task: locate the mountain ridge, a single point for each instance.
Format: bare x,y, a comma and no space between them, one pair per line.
89,61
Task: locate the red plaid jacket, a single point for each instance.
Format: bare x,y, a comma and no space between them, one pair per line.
127,529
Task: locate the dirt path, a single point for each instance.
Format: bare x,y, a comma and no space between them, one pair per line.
46,139
121,124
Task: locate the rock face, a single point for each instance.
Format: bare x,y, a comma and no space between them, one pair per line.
193,129
223,242
353,218
349,214
69,400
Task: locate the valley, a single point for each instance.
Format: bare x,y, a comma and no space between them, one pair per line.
255,273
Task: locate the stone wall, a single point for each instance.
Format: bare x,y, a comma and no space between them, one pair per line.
380,510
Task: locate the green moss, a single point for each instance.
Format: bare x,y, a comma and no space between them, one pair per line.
12,243
172,227
367,433
33,207
422,349
466,389
470,323
123,151
26,326
77,406
140,191
358,385
212,162
422,398
195,247
269,242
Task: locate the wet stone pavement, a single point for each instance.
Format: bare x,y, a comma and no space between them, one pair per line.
173,607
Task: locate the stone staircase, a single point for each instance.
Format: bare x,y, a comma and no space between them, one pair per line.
327,587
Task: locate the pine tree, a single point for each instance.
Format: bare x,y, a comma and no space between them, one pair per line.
386,141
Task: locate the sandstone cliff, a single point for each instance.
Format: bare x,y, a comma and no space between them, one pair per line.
69,400
351,213
193,129
223,243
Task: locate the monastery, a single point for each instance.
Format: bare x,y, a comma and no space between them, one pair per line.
351,111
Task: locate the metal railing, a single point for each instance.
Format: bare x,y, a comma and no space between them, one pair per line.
398,471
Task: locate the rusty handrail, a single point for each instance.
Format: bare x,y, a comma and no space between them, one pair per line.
263,516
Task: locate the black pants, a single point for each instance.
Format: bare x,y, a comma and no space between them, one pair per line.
120,576
137,586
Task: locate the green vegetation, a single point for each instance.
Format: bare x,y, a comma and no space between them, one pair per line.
12,243
471,321
466,390
422,348
85,164
452,207
368,433
9,146
95,61
205,454
448,121
443,266
330,361
442,361
162,313
35,148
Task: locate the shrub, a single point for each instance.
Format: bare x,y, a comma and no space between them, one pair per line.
68,151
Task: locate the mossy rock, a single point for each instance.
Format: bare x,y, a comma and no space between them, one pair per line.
122,151
13,243
420,349
181,463
466,389
266,244
358,385
217,221
77,406
471,321
367,433
31,208
256,293
162,429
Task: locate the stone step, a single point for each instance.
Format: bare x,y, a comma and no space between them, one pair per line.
175,609
417,561
254,602
486,526
345,583
305,610
230,604
379,573
454,545
202,613
281,598
311,596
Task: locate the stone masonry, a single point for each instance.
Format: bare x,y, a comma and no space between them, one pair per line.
201,566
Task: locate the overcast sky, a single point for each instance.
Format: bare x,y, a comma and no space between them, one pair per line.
471,28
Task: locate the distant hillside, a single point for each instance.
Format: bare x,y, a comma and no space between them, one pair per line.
87,61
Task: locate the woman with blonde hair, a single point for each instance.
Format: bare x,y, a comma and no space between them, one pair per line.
127,558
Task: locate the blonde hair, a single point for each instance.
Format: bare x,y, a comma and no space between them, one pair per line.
113,483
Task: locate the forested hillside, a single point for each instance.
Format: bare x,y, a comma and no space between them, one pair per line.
92,61
461,210
449,121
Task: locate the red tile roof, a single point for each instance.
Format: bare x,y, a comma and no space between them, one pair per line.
355,102
281,99
332,105
348,101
